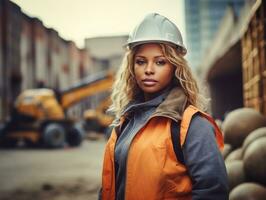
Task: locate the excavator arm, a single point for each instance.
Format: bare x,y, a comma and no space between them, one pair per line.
90,86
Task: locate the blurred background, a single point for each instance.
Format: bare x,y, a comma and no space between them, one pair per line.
57,63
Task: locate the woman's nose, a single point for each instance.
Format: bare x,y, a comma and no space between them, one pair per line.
149,69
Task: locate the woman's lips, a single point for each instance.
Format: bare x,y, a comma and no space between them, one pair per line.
149,82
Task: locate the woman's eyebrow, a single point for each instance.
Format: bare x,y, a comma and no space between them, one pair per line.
140,56
154,56
159,56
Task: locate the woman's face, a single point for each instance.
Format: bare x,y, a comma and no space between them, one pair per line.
152,70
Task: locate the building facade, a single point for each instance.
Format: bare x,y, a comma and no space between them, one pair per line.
202,19
106,52
223,68
34,56
10,68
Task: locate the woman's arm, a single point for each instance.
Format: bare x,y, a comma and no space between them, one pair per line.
204,162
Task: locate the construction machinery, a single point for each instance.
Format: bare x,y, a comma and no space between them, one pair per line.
39,115
98,120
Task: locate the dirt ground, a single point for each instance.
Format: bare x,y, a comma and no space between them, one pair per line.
62,174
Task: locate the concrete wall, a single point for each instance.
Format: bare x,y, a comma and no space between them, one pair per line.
32,55
40,38
106,52
26,54
53,60
222,67
10,68
1,62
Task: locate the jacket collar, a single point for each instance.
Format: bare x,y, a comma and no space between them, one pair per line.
139,104
174,105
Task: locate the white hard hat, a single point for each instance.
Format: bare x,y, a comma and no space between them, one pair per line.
156,28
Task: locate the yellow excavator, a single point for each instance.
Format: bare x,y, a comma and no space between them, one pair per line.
96,119
39,118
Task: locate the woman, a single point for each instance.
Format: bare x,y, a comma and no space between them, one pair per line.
162,146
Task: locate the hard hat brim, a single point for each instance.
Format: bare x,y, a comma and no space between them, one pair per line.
132,45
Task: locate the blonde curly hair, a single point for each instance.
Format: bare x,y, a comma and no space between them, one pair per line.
126,89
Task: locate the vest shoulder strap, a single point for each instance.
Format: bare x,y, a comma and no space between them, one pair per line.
175,136
185,122
179,131
186,119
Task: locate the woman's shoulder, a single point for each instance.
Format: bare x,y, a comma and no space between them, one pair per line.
200,128
197,117
200,122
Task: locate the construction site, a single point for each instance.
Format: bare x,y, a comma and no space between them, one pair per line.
54,96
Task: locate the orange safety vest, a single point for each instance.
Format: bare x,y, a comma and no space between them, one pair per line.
153,172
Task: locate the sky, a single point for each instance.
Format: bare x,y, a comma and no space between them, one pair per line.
79,19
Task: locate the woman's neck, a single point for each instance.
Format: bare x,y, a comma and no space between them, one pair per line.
150,96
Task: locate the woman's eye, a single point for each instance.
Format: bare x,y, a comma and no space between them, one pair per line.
160,62
140,62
